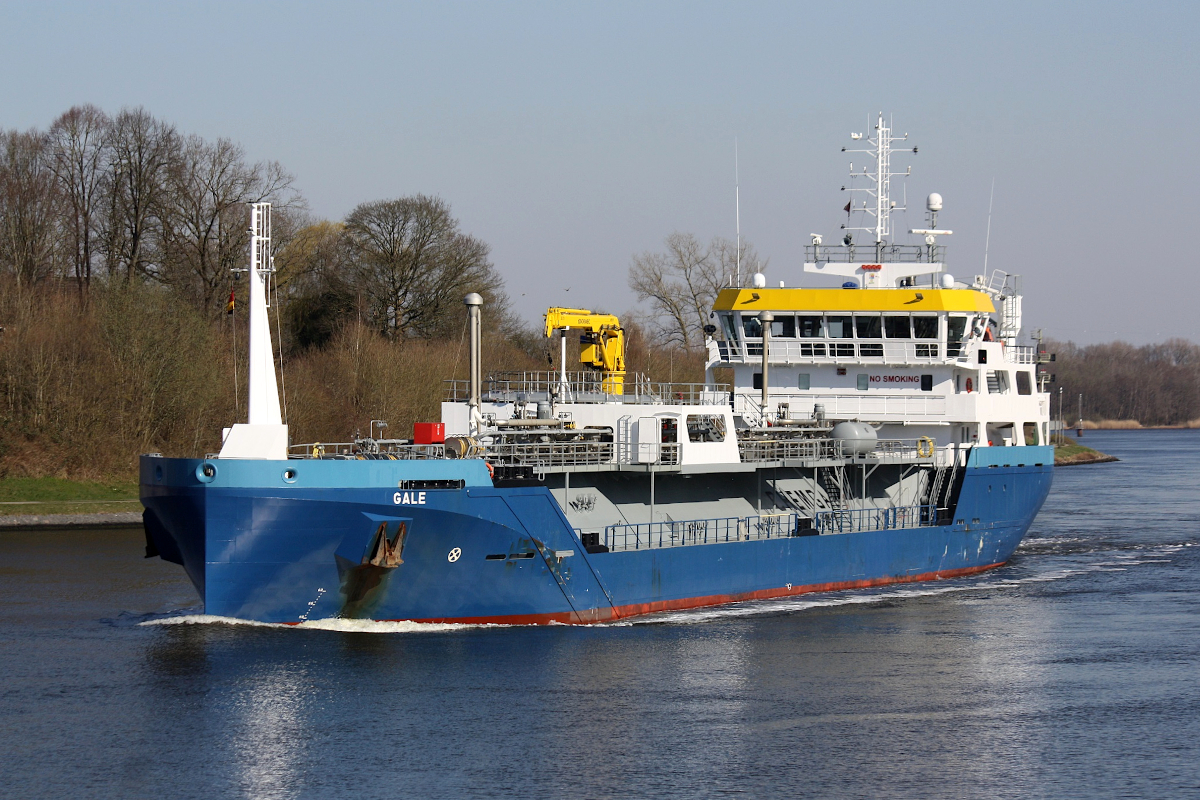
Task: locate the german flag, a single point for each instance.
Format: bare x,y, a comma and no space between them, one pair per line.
231,304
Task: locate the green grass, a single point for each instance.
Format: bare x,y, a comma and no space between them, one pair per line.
58,496
1072,453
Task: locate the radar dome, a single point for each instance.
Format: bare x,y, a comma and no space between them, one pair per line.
934,202
947,280
759,280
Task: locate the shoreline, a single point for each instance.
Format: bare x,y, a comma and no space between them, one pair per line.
64,522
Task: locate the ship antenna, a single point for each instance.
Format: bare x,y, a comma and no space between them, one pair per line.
881,151
737,204
987,240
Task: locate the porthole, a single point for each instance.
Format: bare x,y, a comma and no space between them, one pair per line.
289,476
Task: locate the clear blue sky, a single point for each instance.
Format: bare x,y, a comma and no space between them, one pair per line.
571,136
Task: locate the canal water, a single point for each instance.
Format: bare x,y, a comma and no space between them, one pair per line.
1074,671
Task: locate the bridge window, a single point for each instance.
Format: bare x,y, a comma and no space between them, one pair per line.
897,327
925,327
868,327
729,328
752,326
784,328
839,350
956,328
816,349
1024,384
810,328
706,428
869,350
840,328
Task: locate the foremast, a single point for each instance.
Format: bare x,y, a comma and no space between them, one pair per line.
263,435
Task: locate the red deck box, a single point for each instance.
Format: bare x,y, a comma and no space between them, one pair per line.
429,432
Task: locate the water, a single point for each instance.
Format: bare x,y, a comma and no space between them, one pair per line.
1071,672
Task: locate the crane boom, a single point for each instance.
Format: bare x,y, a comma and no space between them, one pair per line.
602,340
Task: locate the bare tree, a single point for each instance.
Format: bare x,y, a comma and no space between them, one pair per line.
78,149
682,284
141,151
413,265
203,211
29,207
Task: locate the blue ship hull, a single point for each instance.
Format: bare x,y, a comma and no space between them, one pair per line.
284,542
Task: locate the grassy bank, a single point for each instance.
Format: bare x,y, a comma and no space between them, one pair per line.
58,496
1070,454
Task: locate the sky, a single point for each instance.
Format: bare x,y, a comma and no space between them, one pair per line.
571,136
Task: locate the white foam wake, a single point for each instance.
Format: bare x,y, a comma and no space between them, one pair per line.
331,624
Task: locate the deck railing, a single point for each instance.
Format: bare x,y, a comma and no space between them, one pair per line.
368,450
681,533
875,519
585,387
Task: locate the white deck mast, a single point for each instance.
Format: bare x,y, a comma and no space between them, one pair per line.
265,436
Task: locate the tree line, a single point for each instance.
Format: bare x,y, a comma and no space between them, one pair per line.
102,199
1155,384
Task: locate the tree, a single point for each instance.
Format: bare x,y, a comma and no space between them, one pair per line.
682,284
29,207
313,275
203,209
413,265
78,156
141,151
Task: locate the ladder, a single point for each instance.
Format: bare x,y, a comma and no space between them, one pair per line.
833,480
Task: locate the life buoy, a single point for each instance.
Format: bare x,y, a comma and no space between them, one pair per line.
924,447
491,470
970,386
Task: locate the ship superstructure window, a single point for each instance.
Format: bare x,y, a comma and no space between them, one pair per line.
840,327
752,326
841,350
804,382
897,327
925,327
1031,431
1024,384
868,328
729,327
784,328
706,428
811,328
863,382
956,328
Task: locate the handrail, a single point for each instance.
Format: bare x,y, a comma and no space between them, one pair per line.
855,520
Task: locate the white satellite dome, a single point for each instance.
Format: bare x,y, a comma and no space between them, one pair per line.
934,202
947,280
759,281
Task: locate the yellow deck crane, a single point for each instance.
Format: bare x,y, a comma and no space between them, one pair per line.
602,340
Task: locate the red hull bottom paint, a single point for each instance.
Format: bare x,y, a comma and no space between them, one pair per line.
592,616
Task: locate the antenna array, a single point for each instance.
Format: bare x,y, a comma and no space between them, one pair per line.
881,179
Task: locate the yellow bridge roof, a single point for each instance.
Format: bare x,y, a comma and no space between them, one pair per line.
819,300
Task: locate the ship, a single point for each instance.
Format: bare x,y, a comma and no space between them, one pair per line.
886,429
